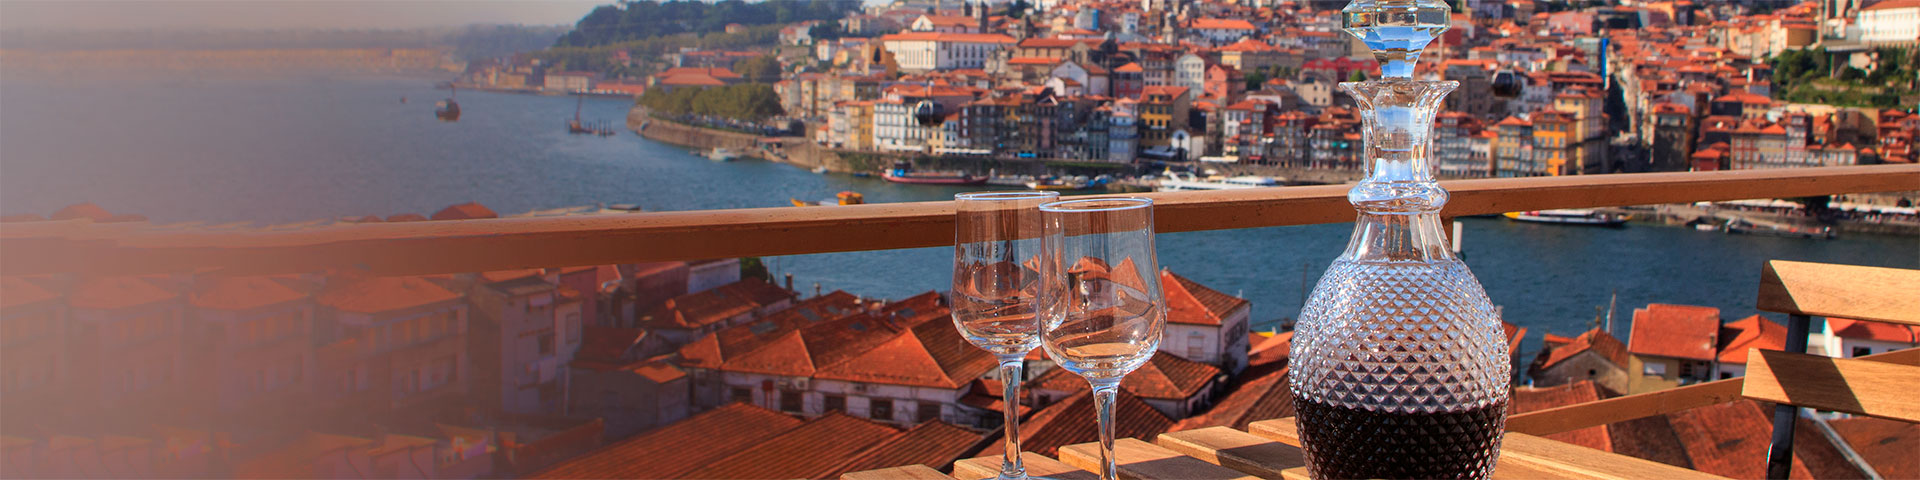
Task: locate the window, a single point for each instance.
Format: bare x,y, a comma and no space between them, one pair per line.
546,343
742,395
882,410
1196,346
1862,351
1656,369
835,403
926,412
789,401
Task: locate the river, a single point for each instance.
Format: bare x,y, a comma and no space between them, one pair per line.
275,150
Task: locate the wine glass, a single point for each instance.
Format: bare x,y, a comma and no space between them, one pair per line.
1101,309
996,254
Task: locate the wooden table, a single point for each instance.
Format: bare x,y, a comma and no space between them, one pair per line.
1271,450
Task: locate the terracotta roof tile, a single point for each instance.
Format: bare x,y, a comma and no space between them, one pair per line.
935,444
1220,24
1750,332
675,450
697,310
465,211
1886,445
109,293
1730,439
17,292
1070,421
1675,331
659,371
1885,332
243,293
1527,399
1166,376
1259,397
1191,303
949,37
382,294
1597,341
930,355
812,450
1271,350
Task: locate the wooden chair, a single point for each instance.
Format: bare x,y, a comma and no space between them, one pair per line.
1793,380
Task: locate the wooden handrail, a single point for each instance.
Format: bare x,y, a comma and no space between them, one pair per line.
494,244
1619,409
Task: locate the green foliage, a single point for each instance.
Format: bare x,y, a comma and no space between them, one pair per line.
600,58
1807,76
747,101
762,69
753,267
1018,9
1357,76
644,19
1256,80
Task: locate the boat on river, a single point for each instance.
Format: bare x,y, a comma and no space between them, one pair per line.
902,172
1571,216
1744,227
721,154
1183,182
448,110
847,197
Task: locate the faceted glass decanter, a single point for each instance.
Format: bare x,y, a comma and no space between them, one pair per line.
1400,366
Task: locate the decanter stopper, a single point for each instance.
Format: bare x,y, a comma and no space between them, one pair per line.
1396,30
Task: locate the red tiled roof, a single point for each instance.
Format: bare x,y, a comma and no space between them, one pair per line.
1168,90
1165,377
1221,24
675,450
1515,334
696,310
1191,303
949,37
1260,397
109,293
1527,399
1130,67
1596,341
1270,350
243,293
1034,61
692,80
714,72
1514,121
383,294
1070,422
935,444
1893,4
85,210
606,345
659,371
1730,439
465,211
16,292
812,450
1750,332
1887,445
930,355
1885,332
1675,331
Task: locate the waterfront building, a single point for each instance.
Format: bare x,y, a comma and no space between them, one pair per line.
1205,325
1224,84
1244,130
1890,22
569,81
1190,72
612,379
1123,131
251,342
388,344
1551,146
1455,135
522,330
1221,31
1290,145
1672,344
1753,332
1250,55
1162,110
124,341
34,323
1475,94
1672,137
1513,149
936,51
1848,338
1594,356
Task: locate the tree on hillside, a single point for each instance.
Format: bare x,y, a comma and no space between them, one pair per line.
761,69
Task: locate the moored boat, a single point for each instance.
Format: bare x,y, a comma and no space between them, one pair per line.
847,197
1742,227
1571,216
1179,182
721,154
902,172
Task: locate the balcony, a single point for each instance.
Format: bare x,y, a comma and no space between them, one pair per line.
414,248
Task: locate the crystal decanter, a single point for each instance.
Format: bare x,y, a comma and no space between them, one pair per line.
1400,367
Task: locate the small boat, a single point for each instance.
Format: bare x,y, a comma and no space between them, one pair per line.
1743,227
448,110
1010,180
902,172
1178,182
1578,216
820,169
721,154
847,197
1058,184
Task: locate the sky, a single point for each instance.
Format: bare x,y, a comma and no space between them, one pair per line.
283,14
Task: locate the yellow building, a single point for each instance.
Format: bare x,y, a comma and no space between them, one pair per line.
1551,146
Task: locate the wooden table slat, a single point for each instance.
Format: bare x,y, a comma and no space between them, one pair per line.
1843,385
1566,460
1280,430
1140,460
1845,291
1037,465
1226,447
909,472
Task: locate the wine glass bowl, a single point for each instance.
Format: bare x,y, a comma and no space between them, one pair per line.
996,258
1101,309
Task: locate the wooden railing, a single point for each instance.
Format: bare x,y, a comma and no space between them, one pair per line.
493,244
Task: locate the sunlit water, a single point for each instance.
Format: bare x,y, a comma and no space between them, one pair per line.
274,151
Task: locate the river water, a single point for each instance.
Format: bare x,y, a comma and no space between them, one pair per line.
275,150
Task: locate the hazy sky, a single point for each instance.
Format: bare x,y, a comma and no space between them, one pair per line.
283,14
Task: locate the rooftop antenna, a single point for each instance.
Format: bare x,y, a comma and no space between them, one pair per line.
1610,304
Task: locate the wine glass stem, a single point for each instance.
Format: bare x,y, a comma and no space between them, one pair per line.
1010,467
1103,404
